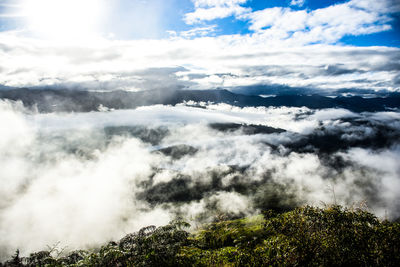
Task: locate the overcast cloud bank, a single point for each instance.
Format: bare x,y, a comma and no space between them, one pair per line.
228,62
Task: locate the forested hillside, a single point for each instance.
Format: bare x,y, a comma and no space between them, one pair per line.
307,236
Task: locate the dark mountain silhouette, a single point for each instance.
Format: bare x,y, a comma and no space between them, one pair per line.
49,100
245,128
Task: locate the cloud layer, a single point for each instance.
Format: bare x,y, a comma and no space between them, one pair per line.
87,178
228,62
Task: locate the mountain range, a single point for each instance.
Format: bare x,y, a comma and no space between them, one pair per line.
53,100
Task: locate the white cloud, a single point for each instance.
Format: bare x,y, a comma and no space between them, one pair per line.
227,61
298,3
206,10
63,180
324,25
386,162
384,6
213,3
198,32
281,18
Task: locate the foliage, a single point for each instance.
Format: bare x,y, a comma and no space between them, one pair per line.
150,246
306,236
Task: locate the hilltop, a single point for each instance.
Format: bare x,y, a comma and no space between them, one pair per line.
307,236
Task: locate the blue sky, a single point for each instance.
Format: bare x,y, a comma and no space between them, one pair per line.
155,19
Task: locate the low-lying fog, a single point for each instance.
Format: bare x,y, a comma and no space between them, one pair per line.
83,179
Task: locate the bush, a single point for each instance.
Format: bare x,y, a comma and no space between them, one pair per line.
307,236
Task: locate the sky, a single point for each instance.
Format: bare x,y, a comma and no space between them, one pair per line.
357,22
325,46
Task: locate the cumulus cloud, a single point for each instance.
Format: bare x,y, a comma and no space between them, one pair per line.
323,25
206,10
292,26
298,3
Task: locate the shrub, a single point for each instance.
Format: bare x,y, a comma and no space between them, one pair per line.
307,236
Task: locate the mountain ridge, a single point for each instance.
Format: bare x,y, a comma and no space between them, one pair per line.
66,100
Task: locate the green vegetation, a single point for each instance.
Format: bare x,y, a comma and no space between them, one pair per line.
306,236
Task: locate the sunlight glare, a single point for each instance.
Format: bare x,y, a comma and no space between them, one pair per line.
64,19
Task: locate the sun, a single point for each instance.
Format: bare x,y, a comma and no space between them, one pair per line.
63,19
